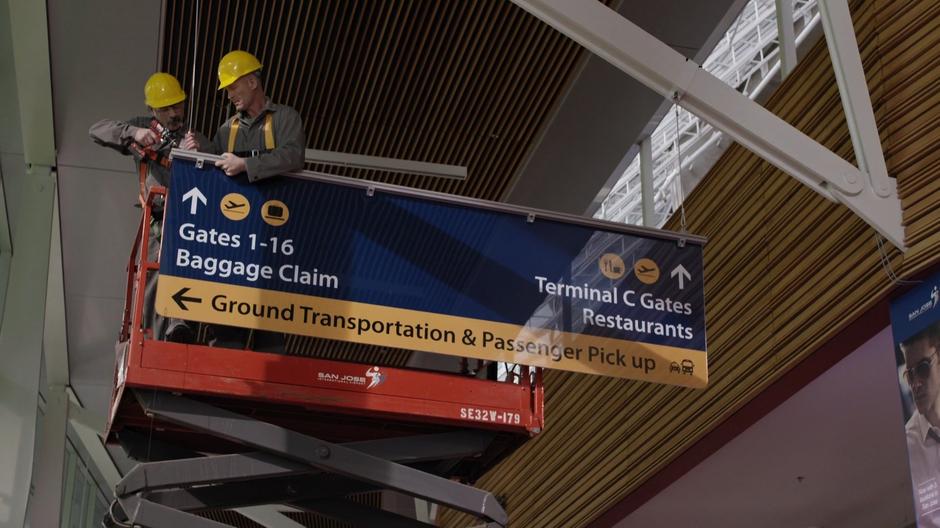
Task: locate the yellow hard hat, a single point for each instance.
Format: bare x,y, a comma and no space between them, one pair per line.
162,89
236,64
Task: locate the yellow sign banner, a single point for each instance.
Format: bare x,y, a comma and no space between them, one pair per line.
291,313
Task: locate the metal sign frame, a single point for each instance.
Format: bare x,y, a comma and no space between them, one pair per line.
529,213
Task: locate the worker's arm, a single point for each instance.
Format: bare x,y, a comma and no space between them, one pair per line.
198,142
119,134
205,144
288,155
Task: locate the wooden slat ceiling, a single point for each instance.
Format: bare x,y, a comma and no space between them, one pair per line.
471,82
456,82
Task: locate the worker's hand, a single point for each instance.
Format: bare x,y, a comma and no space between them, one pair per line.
145,137
232,164
189,142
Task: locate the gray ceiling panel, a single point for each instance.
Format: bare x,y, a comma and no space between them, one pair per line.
99,222
95,395
604,113
102,53
91,342
684,25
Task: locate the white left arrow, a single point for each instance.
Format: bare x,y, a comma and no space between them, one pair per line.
683,275
196,196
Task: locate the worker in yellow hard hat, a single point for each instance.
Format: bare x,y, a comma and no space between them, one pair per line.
149,140
262,139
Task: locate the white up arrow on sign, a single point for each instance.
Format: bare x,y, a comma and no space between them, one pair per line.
683,275
196,196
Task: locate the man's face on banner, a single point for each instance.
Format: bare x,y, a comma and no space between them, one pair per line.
923,374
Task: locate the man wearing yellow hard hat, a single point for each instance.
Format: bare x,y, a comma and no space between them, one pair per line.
262,139
149,140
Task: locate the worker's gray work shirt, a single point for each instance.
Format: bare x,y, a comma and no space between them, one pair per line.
289,141
120,134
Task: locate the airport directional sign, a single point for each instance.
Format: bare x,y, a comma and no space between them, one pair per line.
349,260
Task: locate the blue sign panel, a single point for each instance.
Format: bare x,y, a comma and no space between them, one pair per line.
916,310
436,274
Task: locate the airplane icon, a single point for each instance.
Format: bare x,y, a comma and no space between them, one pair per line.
232,205
646,270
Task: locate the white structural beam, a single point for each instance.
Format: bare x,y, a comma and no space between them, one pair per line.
626,46
21,337
856,101
29,29
46,502
94,446
647,188
55,347
28,192
785,38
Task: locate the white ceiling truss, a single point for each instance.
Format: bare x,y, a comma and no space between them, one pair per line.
866,190
746,58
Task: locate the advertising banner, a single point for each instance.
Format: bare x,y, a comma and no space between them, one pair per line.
915,324
349,260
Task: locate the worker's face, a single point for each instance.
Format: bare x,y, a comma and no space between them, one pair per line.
922,372
171,117
242,92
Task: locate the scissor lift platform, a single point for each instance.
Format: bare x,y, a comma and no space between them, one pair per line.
220,428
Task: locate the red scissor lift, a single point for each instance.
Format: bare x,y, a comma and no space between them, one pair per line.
218,428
